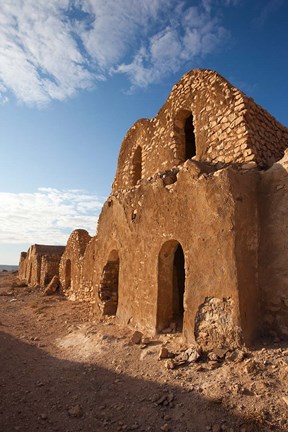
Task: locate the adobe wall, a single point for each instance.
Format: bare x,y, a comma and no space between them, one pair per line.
22,265
88,264
30,264
273,254
228,126
49,268
70,268
206,213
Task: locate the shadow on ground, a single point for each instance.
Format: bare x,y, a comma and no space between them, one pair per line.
42,393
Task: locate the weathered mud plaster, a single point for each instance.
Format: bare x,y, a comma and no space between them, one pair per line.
40,264
193,236
70,269
273,254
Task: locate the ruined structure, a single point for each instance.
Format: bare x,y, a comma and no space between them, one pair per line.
71,265
193,235
40,264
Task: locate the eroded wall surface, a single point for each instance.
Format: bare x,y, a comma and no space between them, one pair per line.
273,255
229,128
30,266
198,211
70,269
193,237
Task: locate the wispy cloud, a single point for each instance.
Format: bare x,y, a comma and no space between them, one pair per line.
268,9
52,49
47,216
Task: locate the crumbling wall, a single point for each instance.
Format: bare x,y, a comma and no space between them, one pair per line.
273,252
70,268
267,137
215,324
229,128
86,292
49,268
30,264
22,266
197,211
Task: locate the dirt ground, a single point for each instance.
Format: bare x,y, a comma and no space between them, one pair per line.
60,372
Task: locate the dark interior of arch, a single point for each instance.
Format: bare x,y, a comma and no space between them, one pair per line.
190,145
178,287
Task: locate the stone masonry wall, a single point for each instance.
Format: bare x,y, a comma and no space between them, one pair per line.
49,268
228,127
267,136
190,240
30,268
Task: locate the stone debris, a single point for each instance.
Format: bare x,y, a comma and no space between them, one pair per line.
52,287
75,411
164,353
136,338
236,356
193,354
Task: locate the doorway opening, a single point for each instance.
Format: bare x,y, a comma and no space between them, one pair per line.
108,287
171,287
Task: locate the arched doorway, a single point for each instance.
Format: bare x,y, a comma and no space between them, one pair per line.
68,272
171,286
108,287
137,166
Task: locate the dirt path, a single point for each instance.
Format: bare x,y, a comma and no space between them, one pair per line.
61,373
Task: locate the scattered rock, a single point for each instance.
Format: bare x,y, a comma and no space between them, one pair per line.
75,411
163,354
170,364
193,354
52,287
285,399
136,338
236,356
212,356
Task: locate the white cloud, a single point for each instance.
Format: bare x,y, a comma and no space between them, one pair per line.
52,49
47,216
193,34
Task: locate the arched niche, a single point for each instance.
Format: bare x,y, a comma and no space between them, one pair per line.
108,286
171,286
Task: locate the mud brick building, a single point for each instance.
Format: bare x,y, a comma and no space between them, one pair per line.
194,234
40,264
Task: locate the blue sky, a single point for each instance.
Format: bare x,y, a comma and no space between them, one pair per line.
76,74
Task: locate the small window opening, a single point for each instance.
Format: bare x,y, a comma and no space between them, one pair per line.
137,166
190,146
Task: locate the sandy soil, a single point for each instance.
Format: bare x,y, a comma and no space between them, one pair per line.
60,372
